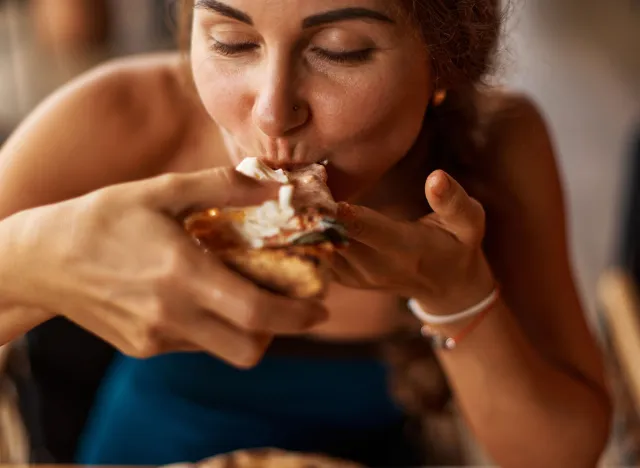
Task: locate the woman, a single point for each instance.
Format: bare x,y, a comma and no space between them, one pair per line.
388,93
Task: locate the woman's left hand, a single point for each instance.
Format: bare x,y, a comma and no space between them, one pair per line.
437,260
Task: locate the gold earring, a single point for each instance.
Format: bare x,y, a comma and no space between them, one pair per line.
439,97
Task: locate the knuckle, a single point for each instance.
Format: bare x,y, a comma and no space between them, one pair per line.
227,176
171,184
152,331
253,316
156,318
352,217
168,180
147,343
459,204
95,208
238,189
91,218
251,354
98,198
174,264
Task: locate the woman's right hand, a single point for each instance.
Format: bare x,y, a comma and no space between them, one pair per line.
117,263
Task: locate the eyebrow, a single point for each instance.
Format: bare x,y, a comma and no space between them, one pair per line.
224,10
344,14
320,19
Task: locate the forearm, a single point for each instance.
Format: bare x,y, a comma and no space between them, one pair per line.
522,408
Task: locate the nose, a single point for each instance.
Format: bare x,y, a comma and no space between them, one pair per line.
278,109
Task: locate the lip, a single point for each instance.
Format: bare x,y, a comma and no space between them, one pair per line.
292,166
287,154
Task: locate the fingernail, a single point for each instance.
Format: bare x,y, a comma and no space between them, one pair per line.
439,184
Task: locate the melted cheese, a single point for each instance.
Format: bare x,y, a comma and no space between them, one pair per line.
256,169
272,217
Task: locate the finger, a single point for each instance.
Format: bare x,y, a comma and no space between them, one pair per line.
358,266
175,345
344,273
220,187
457,211
360,257
242,303
368,226
366,264
221,339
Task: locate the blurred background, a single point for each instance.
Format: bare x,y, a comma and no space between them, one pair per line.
578,59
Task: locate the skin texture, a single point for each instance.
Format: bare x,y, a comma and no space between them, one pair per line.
363,117
532,360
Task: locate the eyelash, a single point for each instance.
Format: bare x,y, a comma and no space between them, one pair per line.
232,49
355,56
351,57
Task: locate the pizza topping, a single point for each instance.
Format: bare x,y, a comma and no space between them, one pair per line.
311,189
256,169
302,215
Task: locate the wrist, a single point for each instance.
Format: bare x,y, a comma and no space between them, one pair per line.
448,331
448,319
7,259
16,293
14,262
476,287
455,327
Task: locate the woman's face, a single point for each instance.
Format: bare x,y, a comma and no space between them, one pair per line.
300,81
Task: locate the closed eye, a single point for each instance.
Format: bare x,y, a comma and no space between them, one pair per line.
344,57
232,49
352,56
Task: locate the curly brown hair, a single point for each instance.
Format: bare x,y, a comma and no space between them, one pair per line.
461,37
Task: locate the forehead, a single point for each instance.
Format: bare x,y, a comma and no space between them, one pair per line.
268,10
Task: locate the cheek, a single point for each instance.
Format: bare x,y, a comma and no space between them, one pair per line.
375,120
223,92
364,121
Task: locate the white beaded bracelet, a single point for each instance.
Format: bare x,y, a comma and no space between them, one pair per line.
431,319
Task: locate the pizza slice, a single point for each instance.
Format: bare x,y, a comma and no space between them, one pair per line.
283,245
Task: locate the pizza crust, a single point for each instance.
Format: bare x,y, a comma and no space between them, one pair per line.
284,246
299,272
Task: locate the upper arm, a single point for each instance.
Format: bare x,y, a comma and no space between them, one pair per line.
526,239
98,130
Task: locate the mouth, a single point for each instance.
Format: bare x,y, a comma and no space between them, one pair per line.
292,166
282,153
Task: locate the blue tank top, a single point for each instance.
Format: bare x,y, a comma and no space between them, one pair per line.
187,407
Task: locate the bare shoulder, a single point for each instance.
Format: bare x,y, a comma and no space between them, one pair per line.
518,157
113,123
527,242
124,95
134,90
510,119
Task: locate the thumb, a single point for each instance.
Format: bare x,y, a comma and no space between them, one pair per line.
456,210
212,188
